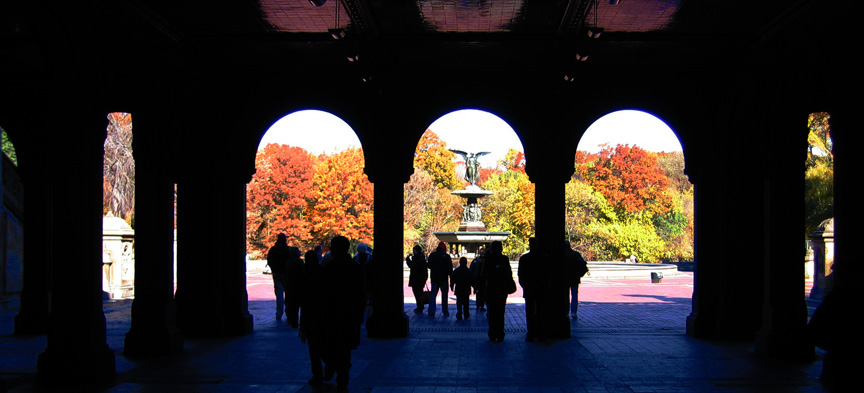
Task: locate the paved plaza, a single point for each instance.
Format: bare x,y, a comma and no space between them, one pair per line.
629,338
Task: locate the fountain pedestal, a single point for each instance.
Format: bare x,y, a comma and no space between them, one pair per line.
472,231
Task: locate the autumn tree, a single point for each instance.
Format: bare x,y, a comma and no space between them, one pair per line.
510,209
277,197
341,202
514,160
433,157
428,209
625,201
630,179
118,168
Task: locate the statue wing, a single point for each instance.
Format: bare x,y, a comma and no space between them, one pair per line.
482,153
460,152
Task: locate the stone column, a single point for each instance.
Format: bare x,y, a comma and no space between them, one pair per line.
550,223
154,329
211,293
388,319
35,308
77,350
784,318
823,260
549,167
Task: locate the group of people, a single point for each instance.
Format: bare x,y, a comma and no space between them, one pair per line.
325,296
489,277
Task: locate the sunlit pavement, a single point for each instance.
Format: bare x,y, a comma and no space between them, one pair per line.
629,338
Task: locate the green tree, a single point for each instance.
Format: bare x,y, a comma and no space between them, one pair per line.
7,147
510,209
819,173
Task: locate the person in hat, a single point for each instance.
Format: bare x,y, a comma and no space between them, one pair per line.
277,258
440,269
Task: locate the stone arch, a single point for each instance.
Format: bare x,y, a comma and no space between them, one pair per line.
454,137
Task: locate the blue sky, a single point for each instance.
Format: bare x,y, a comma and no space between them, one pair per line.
474,131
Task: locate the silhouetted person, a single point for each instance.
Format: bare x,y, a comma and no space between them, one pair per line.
533,278
343,304
310,317
575,267
461,283
363,257
833,329
319,252
479,283
440,268
497,272
417,276
293,286
277,259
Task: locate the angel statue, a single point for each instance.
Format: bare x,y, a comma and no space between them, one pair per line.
472,166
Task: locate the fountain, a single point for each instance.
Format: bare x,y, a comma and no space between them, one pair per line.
472,231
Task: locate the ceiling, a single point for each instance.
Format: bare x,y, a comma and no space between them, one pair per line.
466,37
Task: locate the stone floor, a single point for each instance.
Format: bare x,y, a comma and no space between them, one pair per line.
629,338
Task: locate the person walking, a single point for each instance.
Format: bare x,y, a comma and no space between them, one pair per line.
461,283
277,259
310,318
440,268
293,286
575,267
417,276
343,305
363,257
499,283
533,278
479,283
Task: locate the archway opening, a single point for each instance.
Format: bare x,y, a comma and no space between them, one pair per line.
819,207
309,184
118,208
461,155
629,212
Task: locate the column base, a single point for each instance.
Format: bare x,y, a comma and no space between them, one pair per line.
71,368
241,325
784,345
152,343
387,325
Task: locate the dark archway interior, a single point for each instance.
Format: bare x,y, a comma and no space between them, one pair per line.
206,79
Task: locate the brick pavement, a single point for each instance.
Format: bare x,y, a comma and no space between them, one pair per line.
629,338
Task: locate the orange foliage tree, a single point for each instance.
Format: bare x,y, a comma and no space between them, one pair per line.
341,202
276,198
630,179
